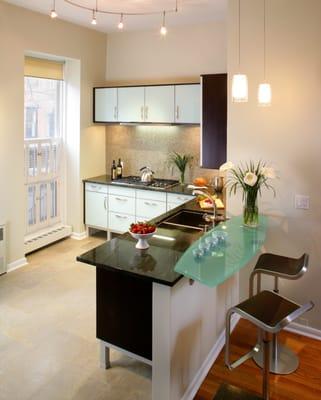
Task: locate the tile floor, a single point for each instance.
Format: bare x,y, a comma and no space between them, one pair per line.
48,349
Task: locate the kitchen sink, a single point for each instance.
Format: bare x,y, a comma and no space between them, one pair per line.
189,219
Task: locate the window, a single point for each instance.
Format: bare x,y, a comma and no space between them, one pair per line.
43,149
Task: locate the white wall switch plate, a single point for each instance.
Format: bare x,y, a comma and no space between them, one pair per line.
302,202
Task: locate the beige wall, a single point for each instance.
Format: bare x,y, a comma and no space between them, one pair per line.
287,134
21,31
183,55
146,57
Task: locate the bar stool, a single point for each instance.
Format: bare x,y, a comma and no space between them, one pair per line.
270,313
283,360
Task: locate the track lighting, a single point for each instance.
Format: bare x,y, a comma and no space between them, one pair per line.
94,19
121,22
53,12
163,29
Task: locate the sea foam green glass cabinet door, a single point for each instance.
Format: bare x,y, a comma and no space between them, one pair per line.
106,105
159,104
131,102
187,104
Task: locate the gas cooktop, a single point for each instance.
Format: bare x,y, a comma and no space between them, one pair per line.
155,184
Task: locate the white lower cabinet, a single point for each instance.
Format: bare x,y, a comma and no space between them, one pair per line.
120,222
96,209
175,199
115,208
148,209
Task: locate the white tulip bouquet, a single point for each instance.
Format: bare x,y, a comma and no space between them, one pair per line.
250,177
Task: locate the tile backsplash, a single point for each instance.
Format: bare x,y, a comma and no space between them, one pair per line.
140,146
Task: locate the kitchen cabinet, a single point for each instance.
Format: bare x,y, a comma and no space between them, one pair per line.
187,104
105,105
131,104
165,104
119,222
96,205
149,204
159,104
214,120
114,208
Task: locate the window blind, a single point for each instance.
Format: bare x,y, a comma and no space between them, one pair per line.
41,68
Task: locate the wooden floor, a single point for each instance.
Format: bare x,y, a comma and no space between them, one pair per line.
304,384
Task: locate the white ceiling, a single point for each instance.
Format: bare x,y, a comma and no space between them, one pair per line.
190,12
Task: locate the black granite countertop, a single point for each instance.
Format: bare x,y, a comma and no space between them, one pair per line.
106,180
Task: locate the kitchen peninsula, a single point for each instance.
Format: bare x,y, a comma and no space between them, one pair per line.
148,309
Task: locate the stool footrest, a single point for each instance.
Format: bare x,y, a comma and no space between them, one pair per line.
247,356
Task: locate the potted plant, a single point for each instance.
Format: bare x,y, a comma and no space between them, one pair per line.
180,161
250,177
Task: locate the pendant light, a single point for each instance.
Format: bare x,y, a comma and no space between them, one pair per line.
239,81
53,12
264,90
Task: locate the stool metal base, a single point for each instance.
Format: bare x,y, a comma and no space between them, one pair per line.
229,392
284,363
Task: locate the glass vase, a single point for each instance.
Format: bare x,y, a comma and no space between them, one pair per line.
251,211
182,178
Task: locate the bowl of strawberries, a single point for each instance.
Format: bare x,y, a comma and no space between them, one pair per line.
142,231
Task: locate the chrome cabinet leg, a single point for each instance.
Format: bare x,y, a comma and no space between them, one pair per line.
104,356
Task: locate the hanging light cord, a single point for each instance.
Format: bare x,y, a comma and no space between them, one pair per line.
239,23
264,27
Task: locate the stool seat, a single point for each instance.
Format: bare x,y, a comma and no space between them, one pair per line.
229,392
267,310
286,267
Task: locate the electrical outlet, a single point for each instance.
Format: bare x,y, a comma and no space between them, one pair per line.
302,202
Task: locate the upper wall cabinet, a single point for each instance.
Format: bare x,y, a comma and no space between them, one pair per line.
187,104
214,120
159,104
105,105
165,104
131,104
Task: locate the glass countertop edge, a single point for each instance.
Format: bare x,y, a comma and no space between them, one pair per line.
235,221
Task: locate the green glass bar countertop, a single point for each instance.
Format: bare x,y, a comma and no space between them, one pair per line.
224,260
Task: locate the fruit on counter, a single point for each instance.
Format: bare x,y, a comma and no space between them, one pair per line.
200,181
142,228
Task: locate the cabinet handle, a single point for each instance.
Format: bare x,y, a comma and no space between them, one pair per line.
146,113
120,199
177,113
120,216
142,113
115,112
105,203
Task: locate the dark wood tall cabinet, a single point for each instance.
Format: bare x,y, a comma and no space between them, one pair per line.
214,120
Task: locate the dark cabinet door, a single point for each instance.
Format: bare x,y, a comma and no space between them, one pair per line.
214,120
124,312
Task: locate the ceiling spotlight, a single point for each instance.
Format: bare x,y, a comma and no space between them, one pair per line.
53,13
94,20
163,29
121,22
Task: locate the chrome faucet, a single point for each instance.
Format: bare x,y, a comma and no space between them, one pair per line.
208,196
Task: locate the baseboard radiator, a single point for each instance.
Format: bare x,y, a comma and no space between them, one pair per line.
43,238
